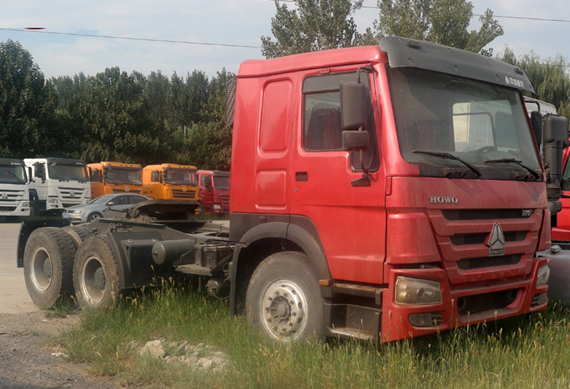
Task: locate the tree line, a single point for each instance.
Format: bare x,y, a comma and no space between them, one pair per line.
113,115
142,119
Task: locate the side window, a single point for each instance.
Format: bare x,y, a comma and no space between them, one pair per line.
136,199
321,118
95,175
155,176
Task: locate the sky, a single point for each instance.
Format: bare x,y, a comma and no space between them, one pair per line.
62,49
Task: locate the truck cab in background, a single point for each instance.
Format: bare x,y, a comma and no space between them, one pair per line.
170,181
14,193
57,183
114,177
542,114
214,191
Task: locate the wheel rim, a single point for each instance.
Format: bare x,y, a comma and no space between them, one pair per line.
284,310
42,270
93,283
94,217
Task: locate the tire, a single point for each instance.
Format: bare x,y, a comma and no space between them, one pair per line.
94,216
78,233
96,274
48,266
283,300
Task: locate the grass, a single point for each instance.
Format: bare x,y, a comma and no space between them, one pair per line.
524,352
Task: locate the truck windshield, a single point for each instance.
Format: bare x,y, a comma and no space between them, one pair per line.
12,174
116,175
482,125
181,177
61,172
222,182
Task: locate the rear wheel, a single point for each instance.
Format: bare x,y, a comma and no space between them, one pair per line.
96,274
283,299
78,233
48,266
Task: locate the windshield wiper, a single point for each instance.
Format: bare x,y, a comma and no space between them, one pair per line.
450,156
512,160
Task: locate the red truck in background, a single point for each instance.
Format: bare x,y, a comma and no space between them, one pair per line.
378,193
214,191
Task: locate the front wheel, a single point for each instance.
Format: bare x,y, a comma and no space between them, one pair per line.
283,299
94,216
48,266
96,274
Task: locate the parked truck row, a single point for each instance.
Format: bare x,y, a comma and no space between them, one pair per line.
48,186
378,193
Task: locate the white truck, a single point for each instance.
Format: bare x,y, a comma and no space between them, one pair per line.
57,183
14,194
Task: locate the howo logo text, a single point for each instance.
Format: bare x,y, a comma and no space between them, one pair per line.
443,200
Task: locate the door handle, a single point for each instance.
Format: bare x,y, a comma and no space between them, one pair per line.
301,176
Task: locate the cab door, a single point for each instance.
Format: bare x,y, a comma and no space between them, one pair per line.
349,218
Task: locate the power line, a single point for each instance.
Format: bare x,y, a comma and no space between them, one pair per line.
131,38
495,16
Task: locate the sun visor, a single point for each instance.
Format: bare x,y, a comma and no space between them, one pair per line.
405,52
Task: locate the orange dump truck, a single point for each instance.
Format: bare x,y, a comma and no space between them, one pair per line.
114,177
170,181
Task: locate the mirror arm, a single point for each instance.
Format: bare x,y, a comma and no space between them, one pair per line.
365,179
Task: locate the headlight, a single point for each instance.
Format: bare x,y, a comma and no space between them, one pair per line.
52,201
75,211
543,275
26,204
417,291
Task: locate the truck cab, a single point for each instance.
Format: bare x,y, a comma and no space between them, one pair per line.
57,183
393,169
214,191
14,194
170,181
114,177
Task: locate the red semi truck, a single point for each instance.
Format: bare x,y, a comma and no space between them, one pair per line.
377,192
214,191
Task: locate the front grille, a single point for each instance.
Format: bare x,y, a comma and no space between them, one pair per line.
225,199
460,240
11,195
463,238
479,263
485,302
7,209
485,214
68,193
189,194
135,191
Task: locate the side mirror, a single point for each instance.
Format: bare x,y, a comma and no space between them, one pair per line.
353,104
355,140
536,123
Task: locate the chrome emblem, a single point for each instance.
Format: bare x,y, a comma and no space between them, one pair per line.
443,200
4,196
184,189
496,241
71,194
127,188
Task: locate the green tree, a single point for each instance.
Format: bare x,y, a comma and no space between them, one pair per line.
440,21
314,25
207,144
549,78
112,120
27,105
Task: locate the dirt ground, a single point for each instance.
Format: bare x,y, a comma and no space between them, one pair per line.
27,361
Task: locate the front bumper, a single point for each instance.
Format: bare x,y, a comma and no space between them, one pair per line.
462,305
